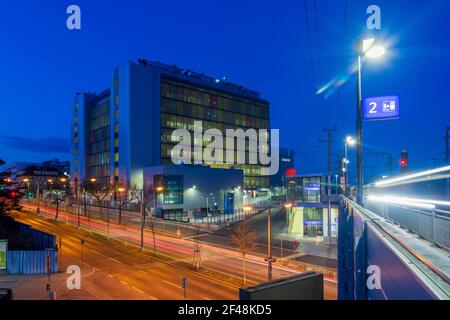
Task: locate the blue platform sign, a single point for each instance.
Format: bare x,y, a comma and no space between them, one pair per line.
381,108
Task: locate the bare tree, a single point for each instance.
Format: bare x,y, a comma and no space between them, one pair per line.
245,239
197,254
58,196
99,191
84,186
145,197
125,196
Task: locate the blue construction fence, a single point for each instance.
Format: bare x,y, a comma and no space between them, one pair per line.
360,246
32,259
39,240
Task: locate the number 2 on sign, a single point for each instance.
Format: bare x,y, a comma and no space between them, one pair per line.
373,107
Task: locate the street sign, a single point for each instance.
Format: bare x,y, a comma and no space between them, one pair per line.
381,108
3,253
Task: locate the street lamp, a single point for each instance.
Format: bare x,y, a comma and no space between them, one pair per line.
288,205
370,51
349,141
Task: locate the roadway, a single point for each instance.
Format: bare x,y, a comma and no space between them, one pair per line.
219,262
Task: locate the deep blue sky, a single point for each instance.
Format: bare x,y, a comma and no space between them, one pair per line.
260,44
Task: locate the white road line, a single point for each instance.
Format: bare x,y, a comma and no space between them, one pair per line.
138,290
110,275
172,284
115,260
94,251
124,282
153,298
206,298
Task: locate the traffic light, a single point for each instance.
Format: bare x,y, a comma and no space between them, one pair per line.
404,161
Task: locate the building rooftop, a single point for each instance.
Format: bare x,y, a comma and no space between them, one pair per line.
198,76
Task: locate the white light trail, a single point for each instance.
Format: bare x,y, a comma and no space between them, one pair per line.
418,200
402,201
383,183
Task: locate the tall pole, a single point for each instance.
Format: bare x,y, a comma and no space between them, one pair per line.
359,159
345,166
329,187
329,141
447,155
38,209
79,206
142,219
269,258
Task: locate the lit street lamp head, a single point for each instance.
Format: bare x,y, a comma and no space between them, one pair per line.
372,51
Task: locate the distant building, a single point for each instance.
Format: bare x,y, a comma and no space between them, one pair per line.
189,191
286,163
308,216
43,173
126,128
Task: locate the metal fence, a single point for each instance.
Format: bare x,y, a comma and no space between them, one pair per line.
31,261
432,225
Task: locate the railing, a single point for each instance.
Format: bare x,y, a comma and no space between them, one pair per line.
376,263
432,225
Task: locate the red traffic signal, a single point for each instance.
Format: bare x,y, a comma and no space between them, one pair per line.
404,161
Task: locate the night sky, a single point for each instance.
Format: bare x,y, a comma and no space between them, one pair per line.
263,45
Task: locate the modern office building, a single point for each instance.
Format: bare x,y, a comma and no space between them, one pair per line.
128,127
308,216
187,191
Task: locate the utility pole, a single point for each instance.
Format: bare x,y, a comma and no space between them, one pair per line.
142,219
359,146
269,258
447,155
329,140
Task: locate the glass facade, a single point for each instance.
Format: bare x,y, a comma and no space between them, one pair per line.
182,104
312,222
75,140
98,141
304,189
172,189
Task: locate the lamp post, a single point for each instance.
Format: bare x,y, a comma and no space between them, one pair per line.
269,258
349,141
370,51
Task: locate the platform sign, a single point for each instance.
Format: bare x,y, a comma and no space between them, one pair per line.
3,253
381,108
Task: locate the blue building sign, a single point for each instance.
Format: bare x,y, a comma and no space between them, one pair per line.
381,108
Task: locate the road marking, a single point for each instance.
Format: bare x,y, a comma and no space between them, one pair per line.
206,298
95,251
115,260
153,298
138,290
145,273
124,282
110,275
172,284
